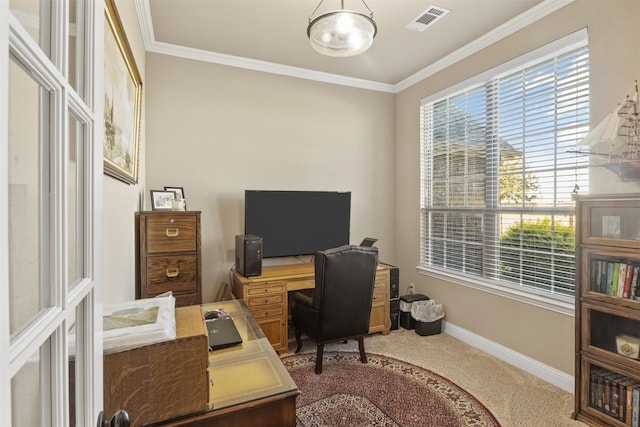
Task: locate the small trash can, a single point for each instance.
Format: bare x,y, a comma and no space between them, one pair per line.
427,316
428,328
406,301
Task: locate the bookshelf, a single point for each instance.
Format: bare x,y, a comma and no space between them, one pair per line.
607,371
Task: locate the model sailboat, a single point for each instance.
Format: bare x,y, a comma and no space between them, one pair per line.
615,142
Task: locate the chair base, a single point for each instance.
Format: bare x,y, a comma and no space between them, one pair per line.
320,348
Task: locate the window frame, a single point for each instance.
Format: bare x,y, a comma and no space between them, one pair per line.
554,302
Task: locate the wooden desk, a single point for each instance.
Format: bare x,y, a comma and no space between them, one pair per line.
248,384
267,298
181,383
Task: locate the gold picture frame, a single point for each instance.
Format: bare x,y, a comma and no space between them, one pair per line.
122,99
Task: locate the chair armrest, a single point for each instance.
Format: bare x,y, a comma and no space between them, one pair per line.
303,299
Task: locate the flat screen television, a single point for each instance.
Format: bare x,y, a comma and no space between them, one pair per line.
295,223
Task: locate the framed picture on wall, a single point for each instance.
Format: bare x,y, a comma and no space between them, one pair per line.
122,101
162,200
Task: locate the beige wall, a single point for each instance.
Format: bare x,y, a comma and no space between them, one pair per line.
615,62
216,131
122,201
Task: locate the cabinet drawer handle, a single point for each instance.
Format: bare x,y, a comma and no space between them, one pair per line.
173,273
172,232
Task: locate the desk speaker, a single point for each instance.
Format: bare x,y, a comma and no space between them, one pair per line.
249,255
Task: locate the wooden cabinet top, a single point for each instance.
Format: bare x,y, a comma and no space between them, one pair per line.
287,272
168,212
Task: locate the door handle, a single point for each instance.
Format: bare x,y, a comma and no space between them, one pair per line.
120,419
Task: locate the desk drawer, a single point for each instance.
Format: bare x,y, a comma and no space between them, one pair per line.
261,300
171,234
172,273
264,289
381,280
380,296
268,311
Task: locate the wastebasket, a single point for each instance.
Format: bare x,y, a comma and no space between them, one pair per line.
406,301
427,316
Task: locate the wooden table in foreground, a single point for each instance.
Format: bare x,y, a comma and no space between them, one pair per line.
180,383
248,384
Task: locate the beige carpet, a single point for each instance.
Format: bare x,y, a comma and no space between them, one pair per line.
516,398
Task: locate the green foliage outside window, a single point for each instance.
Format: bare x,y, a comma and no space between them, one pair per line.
539,254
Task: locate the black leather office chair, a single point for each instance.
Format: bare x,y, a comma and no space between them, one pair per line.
340,307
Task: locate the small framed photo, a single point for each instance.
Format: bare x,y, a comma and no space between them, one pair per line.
162,200
611,226
179,194
178,190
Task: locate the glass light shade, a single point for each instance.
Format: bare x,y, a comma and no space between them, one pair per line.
341,33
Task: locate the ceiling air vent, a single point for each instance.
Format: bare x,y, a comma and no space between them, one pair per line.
427,18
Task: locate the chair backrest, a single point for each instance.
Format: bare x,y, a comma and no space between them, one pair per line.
345,279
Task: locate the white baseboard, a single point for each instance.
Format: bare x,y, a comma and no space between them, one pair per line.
554,376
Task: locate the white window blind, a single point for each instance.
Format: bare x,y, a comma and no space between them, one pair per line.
498,170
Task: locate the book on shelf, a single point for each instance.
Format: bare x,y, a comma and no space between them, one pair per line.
634,282
596,388
615,278
603,277
621,278
635,412
615,395
626,386
627,281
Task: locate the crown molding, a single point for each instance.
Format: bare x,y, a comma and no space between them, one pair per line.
521,21
265,67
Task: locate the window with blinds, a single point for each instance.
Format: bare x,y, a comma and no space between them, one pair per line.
499,167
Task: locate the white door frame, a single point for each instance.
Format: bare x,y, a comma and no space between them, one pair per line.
82,301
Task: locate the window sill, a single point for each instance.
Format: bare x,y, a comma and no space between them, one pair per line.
558,304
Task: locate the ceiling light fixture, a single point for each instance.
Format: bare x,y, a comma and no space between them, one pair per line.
341,32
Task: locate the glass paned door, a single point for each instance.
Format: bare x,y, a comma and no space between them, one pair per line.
50,188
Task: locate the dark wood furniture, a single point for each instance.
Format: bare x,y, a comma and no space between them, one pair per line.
267,298
163,380
607,371
169,255
249,386
181,383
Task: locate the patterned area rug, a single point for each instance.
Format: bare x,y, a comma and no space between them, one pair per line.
383,392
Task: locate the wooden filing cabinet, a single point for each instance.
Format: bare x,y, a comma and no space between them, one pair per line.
169,255
267,298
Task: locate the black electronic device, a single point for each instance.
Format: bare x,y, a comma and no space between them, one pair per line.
394,283
293,223
394,312
368,242
222,333
249,255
